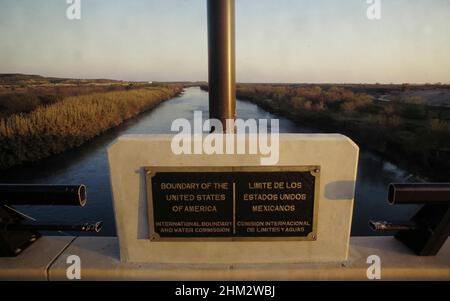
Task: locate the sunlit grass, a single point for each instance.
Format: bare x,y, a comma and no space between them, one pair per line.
71,122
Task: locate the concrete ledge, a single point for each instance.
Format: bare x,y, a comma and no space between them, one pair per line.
46,260
34,262
100,261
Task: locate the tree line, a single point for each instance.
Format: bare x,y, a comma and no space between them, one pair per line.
404,130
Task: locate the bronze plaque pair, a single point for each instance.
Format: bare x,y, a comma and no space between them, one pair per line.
233,203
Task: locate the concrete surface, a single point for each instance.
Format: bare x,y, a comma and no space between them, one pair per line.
34,262
337,156
100,261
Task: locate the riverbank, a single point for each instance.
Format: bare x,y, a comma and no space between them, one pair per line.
88,165
405,131
69,123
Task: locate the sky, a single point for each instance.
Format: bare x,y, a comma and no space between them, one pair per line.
307,41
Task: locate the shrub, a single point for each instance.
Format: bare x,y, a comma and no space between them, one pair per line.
440,125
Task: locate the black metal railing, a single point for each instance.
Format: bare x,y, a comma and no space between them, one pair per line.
429,228
18,231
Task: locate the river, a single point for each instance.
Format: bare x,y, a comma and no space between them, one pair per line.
88,165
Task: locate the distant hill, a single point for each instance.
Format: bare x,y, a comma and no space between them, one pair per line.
22,93
29,79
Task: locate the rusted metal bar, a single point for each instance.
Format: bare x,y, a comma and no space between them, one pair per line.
383,226
87,227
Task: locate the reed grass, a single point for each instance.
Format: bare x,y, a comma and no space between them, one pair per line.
52,129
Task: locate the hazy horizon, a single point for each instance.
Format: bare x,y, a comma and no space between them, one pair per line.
283,41
238,82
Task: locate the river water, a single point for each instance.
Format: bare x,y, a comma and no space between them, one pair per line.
88,165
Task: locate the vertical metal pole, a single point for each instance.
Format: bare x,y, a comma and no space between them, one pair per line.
222,60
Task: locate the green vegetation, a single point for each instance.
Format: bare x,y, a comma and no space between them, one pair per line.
404,130
69,122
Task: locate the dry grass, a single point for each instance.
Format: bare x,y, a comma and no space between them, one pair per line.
71,122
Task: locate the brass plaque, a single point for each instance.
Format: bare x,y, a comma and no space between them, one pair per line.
233,203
